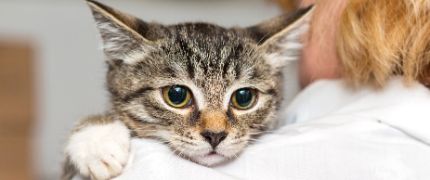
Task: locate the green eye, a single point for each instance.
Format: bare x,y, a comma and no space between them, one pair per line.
244,98
177,96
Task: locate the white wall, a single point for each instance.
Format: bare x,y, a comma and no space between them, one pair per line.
70,68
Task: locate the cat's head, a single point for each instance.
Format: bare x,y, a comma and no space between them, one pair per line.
203,89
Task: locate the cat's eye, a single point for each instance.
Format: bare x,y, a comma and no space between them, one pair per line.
244,98
177,96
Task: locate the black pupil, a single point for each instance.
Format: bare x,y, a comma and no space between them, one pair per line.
177,94
243,97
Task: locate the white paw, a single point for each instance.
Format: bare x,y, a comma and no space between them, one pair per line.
100,151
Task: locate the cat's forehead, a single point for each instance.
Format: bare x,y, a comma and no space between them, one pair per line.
209,49
206,48
206,36
204,30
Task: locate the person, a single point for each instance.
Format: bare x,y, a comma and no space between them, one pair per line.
373,128
366,41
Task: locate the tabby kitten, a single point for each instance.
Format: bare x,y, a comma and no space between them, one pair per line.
202,89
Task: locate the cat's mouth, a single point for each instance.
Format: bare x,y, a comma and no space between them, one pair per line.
202,152
212,153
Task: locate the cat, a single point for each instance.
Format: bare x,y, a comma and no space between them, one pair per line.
204,90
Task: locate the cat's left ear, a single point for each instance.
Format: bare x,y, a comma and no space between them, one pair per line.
281,38
120,33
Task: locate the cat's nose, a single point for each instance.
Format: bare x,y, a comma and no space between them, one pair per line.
214,138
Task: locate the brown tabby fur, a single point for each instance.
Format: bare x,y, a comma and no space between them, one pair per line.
210,60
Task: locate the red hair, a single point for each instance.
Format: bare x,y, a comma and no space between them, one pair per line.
381,38
375,39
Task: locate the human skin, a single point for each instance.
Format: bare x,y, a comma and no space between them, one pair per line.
320,60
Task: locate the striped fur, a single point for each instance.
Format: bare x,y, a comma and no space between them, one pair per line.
210,60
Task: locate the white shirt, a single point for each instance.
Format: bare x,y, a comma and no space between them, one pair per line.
329,133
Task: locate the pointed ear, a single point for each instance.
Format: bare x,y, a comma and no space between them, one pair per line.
280,39
119,32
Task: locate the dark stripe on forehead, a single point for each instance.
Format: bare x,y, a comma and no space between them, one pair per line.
253,74
232,59
169,72
204,66
237,70
226,67
190,69
188,52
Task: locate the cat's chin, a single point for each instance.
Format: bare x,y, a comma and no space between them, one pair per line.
210,159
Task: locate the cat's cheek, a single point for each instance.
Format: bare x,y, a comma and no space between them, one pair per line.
232,150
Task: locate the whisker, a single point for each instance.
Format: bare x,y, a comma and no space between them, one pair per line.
255,140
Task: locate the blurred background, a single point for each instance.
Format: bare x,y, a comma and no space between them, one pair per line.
52,69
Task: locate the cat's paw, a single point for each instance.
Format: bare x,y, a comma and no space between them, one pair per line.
100,151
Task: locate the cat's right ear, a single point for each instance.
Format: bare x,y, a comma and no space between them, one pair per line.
119,32
280,38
